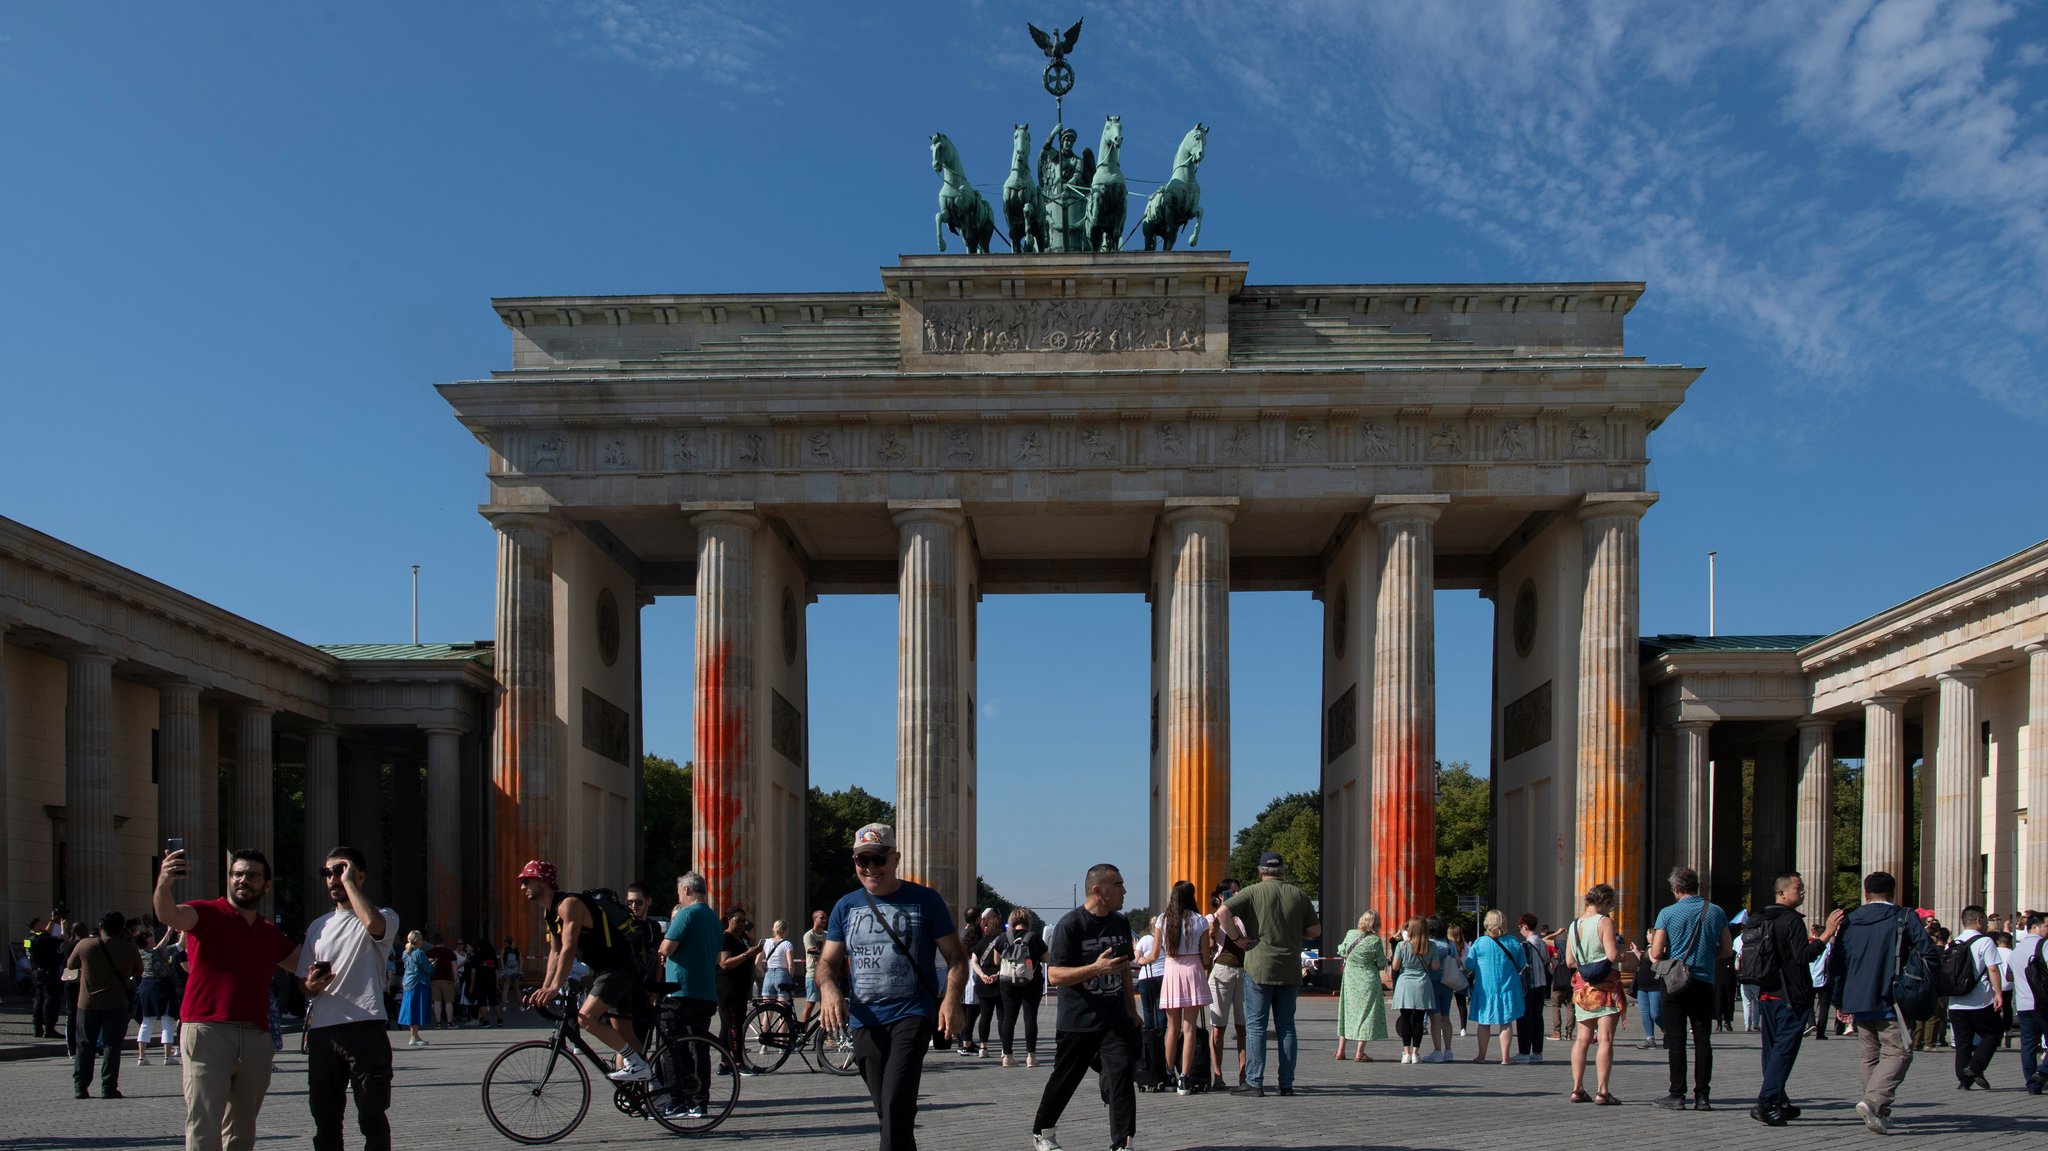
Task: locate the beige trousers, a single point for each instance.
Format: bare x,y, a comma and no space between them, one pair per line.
1887,1053
227,1072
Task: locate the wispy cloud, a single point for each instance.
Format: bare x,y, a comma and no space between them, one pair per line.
1859,188
713,42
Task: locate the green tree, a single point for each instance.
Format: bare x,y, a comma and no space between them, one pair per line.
1464,828
986,897
1846,880
1291,825
832,818
666,821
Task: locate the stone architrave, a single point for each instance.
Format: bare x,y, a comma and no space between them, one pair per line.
1958,767
444,818
1195,710
529,762
1695,798
255,779
1814,835
1884,786
91,868
323,806
727,760
2035,891
1610,769
1403,831
928,736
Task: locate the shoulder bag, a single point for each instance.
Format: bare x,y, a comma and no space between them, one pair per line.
1672,970
924,974
1591,973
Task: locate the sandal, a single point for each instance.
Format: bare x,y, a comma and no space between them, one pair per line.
1364,1058
1605,1100
1580,1097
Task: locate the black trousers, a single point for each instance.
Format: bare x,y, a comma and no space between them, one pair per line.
1529,1028
732,1016
44,1007
1977,1032
688,1085
1410,1025
1116,1049
1692,1008
1020,998
1782,1029
100,1033
1823,1020
891,1061
344,1059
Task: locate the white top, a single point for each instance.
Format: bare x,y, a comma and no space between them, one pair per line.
1147,958
357,992
1216,933
2023,947
1191,927
1818,969
1985,952
778,955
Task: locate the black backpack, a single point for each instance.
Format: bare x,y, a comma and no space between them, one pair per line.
615,939
1958,973
2036,973
1758,962
1913,990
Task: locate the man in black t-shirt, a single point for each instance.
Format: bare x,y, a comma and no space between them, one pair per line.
1090,962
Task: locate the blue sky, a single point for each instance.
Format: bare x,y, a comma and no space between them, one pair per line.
240,242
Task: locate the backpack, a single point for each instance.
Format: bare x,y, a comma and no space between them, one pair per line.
615,939
1958,973
1017,968
1758,962
2036,975
1913,986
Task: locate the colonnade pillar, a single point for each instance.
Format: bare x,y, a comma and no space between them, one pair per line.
2034,893
1403,831
1695,799
323,808
5,905
255,774
1610,767
363,806
1770,823
1195,703
929,691
1814,838
1884,787
90,865
529,765
726,759
1958,764
444,828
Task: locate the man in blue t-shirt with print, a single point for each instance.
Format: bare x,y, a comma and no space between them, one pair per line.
1695,931
876,976
689,952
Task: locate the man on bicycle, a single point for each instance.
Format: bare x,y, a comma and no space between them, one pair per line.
570,918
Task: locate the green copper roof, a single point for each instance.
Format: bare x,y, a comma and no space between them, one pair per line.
477,650
1654,645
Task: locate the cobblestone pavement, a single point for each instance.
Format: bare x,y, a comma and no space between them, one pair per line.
975,1103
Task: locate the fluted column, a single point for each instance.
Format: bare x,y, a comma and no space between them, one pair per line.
1814,834
2034,892
1695,798
927,697
722,795
5,766
1195,710
444,824
1403,831
1958,768
1884,787
91,867
1610,767
364,808
528,764
255,779
323,809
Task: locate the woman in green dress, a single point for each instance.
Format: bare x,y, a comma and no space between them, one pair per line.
1599,1006
1361,1003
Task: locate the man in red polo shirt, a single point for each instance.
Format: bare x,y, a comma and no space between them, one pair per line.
230,951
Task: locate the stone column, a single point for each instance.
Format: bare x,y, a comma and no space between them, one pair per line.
181,767
5,768
1195,708
1695,799
722,796
91,867
255,773
444,824
1610,768
2034,892
1958,768
323,808
363,806
1770,819
927,697
1884,788
1403,831
528,763
1814,834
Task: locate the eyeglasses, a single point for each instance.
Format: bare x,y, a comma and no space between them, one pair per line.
335,872
866,862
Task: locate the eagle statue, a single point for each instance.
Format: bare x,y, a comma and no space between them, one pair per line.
1057,45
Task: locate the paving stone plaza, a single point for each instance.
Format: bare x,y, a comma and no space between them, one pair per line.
977,1103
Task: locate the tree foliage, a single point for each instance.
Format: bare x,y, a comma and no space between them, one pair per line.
666,822
1291,825
1464,829
833,817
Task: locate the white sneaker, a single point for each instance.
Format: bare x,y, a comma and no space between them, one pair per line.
1045,1140
171,1057
636,1070
1461,1033
678,1111
142,1058
416,1043
1873,1120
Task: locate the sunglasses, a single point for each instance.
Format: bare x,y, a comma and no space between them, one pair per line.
335,872
864,862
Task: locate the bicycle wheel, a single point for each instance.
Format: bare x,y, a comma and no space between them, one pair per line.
835,1051
535,1093
767,1037
709,1087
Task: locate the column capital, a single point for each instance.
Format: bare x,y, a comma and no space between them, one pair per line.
1889,701
944,512
254,709
1391,509
1967,676
539,520
1692,725
89,656
2038,648
731,516
444,729
1603,505
325,729
1815,723
1218,510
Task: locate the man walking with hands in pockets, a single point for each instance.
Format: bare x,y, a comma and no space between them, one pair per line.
342,967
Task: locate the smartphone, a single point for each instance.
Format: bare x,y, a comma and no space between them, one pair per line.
175,843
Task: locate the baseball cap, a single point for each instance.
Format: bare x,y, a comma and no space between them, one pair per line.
873,838
542,870
1271,859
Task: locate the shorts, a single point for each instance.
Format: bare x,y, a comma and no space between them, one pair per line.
810,989
612,987
777,983
1226,996
443,990
1443,1000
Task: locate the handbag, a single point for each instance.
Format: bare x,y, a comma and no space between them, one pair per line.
1453,976
1594,972
1673,972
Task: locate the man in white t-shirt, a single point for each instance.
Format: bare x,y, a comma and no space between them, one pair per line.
342,967
2029,1012
1977,1018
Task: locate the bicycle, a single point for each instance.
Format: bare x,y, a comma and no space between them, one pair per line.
771,1033
531,1097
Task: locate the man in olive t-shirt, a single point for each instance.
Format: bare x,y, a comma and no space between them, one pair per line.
1278,916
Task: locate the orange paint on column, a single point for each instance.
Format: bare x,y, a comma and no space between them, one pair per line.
718,794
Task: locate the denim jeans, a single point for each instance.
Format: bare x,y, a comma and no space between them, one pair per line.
1651,1004
2031,1025
1281,998
1782,1030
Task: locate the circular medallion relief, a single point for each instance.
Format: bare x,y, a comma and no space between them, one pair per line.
1525,618
1340,619
789,626
607,627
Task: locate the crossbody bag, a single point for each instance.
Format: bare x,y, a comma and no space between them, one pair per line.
1676,973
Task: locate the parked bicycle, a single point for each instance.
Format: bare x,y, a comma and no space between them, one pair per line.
538,1091
771,1034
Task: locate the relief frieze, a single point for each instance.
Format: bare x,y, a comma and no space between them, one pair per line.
999,327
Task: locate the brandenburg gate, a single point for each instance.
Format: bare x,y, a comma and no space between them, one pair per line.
1074,422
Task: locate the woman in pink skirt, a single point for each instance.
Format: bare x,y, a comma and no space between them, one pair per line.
1183,937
